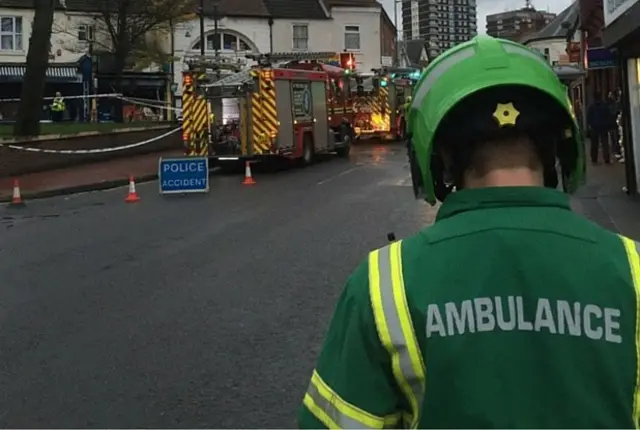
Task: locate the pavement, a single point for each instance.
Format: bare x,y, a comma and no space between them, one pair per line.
88,177
199,311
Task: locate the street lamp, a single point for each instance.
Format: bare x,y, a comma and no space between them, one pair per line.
202,40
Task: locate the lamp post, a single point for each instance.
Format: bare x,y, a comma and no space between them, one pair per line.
202,39
395,24
94,80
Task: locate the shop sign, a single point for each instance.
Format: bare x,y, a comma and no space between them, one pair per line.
614,8
600,58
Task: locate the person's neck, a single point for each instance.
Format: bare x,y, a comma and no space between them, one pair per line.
517,177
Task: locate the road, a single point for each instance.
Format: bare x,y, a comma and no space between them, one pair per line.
194,311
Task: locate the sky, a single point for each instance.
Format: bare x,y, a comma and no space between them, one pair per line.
487,7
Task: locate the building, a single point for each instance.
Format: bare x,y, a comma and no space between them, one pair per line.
413,53
618,25
234,29
518,24
441,23
559,43
80,51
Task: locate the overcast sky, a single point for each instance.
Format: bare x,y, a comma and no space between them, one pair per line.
487,7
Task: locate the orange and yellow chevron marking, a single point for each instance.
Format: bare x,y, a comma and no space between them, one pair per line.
263,114
200,116
188,96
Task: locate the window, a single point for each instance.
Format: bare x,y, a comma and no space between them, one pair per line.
229,42
300,37
225,42
85,32
10,33
352,38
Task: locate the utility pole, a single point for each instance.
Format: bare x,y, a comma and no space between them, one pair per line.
395,24
215,28
203,42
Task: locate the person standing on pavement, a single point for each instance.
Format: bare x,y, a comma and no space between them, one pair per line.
600,122
510,311
57,108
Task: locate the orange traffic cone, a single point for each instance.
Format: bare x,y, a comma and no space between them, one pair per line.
16,201
248,179
132,197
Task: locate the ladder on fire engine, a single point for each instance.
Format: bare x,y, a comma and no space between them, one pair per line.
266,60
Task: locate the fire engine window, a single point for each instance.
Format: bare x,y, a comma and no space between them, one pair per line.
337,89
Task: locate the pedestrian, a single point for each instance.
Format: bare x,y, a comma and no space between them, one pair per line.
510,311
600,122
57,108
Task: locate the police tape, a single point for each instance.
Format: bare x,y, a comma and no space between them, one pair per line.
88,96
136,101
89,151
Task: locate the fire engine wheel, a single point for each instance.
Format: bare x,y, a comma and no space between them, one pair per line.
307,150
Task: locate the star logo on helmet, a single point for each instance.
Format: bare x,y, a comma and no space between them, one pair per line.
506,114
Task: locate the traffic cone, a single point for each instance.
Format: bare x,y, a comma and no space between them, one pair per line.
16,201
132,197
248,179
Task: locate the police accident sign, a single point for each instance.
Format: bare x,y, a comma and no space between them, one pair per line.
179,175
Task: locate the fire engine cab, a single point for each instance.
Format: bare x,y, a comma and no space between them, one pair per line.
380,110
288,108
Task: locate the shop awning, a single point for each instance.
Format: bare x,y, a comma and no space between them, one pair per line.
55,73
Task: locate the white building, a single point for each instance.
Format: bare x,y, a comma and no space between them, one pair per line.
69,39
263,26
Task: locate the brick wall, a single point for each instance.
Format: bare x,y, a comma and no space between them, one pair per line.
16,162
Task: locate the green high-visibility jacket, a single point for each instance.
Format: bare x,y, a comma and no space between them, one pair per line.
58,104
511,311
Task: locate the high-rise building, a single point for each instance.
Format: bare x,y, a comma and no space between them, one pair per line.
518,24
442,24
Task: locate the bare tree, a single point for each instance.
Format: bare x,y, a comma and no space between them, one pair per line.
127,22
31,97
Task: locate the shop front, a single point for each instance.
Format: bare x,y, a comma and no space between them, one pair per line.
69,79
622,34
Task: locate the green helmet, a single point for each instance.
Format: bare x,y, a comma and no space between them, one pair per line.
484,88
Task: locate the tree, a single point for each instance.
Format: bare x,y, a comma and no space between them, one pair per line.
31,97
127,23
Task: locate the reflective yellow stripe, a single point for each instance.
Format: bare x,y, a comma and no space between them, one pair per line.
633,249
334,412
394,325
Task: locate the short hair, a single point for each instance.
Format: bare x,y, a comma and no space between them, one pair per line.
505,152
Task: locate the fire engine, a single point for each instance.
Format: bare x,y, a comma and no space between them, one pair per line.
288,107
380,111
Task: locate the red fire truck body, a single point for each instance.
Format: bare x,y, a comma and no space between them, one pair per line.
285,112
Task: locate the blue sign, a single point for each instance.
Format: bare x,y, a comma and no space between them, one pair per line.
183,175
601,58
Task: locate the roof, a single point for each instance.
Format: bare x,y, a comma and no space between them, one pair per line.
246,8
298,9
556,29
351,3
413,50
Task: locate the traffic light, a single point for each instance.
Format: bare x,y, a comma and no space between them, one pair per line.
348,61
384,82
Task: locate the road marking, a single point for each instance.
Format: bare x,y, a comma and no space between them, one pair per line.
331,178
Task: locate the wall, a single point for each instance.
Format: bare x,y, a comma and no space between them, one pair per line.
388,38
65,46
557,48
321,37
368,19
14,162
